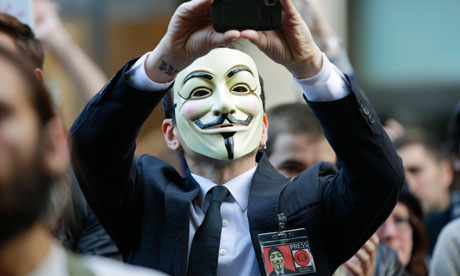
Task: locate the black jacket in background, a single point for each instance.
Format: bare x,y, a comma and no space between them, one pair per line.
80,231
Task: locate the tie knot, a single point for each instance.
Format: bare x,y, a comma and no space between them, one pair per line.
219,193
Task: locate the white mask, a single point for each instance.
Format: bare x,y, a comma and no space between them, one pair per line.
218,106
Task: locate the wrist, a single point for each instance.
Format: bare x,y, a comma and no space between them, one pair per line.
56,37
162,65
309,67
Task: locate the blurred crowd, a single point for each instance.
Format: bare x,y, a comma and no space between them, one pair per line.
47,225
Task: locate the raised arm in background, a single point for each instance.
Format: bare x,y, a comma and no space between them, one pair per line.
86,76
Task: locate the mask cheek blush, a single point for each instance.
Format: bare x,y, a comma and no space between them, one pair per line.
193,110
251,106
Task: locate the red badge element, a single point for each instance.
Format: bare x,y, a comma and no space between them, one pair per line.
302,257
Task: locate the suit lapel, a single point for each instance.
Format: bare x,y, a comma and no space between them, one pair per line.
266,188
177,200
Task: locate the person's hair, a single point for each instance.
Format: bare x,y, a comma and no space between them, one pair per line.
274,249
427,140
416,265
24,39
169,107
292,118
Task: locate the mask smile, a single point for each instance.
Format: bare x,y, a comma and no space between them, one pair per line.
219,122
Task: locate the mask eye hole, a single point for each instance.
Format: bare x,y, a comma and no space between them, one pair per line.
240,89
200,93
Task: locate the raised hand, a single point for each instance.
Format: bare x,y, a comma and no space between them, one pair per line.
364,261
190,35
291,46
48,25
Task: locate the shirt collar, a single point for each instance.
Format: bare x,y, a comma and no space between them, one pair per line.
54,264
238,187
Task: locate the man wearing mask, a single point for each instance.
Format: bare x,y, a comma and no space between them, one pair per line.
215,117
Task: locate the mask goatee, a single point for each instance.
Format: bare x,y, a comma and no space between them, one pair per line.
229,145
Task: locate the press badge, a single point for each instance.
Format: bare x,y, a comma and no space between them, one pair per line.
286,251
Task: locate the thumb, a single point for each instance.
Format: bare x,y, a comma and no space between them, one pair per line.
255,37
219,39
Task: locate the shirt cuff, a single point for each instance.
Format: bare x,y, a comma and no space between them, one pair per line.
139,79
329,84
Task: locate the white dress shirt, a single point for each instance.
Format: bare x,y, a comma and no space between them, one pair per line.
236,254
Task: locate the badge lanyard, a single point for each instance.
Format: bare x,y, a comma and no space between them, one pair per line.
286,252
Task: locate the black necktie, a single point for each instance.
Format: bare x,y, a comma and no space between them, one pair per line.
204,252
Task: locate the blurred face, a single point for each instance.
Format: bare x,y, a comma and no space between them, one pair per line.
396,233
7,42
219,110
18,122
294,153
21,179
277,260
425,176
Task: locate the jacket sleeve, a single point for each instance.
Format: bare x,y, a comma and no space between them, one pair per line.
358,199
103,143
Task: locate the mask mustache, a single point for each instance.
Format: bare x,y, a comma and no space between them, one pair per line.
221,119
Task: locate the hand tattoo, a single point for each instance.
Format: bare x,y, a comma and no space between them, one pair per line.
168,69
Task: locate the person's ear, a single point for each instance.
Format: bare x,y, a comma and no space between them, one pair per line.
264,138
56,149
39,74
447,173
455,161
171,135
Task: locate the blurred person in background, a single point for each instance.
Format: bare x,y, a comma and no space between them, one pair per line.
404,232
429,175
34,157
446,254
453,150
296,140
79,229
428,171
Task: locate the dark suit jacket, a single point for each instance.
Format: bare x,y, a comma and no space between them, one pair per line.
144,204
